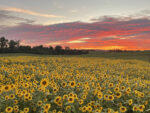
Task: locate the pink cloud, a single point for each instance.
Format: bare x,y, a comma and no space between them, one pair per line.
123,33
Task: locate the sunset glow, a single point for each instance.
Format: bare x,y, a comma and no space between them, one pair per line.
85,27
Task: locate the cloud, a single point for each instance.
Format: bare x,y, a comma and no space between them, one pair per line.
29,12
6,16
101,34
54,43
81,40
74,11
105,19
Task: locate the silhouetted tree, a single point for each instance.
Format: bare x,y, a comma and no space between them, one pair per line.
12,44
51,50
67,48
15,47
25,49
58,50
18,43
3,42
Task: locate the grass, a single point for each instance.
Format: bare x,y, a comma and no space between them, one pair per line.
138,55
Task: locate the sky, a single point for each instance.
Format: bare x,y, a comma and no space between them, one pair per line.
79,24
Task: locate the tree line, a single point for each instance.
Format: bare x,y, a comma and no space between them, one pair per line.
12,46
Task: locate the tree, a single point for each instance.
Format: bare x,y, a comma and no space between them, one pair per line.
24,49
67,48
58,49
51,50
18,43
12,44
3,42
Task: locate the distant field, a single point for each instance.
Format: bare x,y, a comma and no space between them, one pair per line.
141,55
145,55
100,82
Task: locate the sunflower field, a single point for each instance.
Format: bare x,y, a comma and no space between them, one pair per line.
44,84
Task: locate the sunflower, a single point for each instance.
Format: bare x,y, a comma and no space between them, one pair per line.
75,96
92,102
84,96
95,92
123,109
130,102
110,97
15,107
80,101
64,84
141,108
123,87
135,108
28,77
59,112
72,84
67,108
119,104
71,94
45,111
106,97
47,106
7,88
116,89
26,110
6,97
111,85
55,90
141,94
24,92
45,99
83,109
9,109
57,99
128,90
60,103
12,86
39,103
16,110
97,111
30,98
44,82
71,99
11,96
78,85
65,97
89,108
27,95
54,111
100,95
26,85
118,94
145,102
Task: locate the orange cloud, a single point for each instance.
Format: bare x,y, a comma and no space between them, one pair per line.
130,34
81,40
13,9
